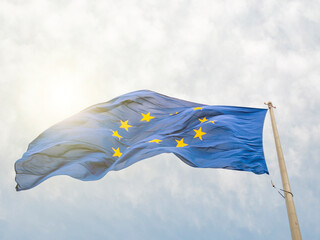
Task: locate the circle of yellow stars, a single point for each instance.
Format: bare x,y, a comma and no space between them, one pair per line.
147,118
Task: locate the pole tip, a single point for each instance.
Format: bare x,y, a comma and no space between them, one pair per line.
270,105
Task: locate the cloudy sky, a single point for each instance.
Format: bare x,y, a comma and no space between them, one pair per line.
59,57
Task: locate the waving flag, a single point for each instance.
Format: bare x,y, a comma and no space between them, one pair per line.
138,125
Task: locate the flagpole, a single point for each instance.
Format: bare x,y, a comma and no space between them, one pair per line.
293,220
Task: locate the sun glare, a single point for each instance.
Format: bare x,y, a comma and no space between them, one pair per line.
61,96
50,97
65,96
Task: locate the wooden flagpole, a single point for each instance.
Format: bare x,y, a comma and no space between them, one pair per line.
293,220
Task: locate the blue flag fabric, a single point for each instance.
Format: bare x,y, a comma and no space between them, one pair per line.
138,125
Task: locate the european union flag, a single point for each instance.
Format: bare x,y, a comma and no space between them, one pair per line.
138,125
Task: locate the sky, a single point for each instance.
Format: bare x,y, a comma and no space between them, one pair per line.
59,57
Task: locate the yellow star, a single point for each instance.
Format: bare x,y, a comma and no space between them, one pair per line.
173,114
155,140
125,125
116,134
212,122
117,152
181,143
203,120
197,108
146,117
199,133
